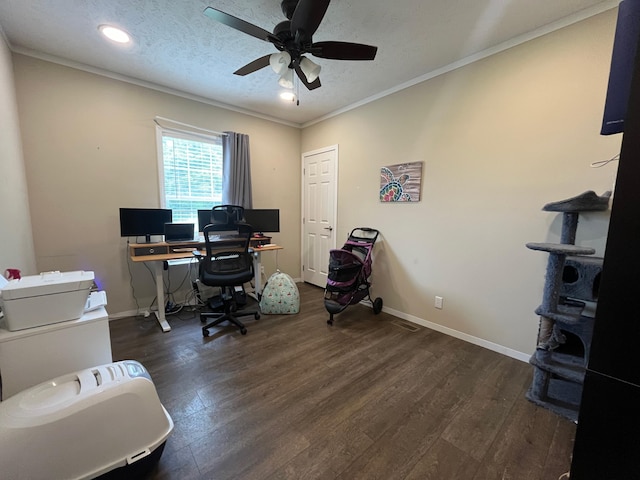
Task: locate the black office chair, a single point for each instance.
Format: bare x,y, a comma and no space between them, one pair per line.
227,264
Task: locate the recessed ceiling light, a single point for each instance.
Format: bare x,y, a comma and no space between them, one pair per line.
115,34
288,96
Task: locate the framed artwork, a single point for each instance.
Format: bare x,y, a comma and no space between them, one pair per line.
401,182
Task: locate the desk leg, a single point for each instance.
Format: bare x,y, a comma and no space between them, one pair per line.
257,274
160,315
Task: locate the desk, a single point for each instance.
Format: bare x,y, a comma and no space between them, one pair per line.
148,252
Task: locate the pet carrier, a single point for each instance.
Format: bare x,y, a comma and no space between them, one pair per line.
349,272
103,422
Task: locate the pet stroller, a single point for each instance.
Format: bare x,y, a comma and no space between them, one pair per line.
349,272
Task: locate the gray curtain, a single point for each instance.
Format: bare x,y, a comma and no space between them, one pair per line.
236,170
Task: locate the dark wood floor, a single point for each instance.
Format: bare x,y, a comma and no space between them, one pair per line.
363,399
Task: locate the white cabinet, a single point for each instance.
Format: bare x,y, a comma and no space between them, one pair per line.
34,355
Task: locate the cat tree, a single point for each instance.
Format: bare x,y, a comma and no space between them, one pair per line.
565,331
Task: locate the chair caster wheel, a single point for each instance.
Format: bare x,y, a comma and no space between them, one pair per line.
205,332
329,322
243,331
256,316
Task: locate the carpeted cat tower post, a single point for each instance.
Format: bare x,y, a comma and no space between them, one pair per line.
565,331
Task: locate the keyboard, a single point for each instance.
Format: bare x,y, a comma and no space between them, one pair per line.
181,240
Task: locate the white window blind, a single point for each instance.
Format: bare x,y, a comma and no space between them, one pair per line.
190,168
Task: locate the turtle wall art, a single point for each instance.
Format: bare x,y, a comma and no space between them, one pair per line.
401,182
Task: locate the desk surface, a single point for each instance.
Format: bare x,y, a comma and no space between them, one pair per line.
179,255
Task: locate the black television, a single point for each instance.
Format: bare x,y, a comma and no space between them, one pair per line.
625,45
263,219
137,222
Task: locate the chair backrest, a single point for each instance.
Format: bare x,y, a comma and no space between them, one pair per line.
227,261
227,214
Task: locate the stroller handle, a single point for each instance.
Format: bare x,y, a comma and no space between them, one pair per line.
369,239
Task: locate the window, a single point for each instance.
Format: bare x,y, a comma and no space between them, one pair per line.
190,170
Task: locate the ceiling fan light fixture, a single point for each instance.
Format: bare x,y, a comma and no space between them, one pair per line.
114,33
286,79
310,69
288,96
280,62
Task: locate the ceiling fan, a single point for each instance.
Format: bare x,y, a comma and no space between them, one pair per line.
293,39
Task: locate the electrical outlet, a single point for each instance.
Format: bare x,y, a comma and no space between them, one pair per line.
439,301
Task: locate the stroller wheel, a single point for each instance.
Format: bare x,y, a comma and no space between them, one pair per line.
377,305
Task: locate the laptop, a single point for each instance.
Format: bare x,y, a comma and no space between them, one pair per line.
179,232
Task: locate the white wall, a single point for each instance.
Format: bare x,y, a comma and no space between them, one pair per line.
15,231
499,139
90,148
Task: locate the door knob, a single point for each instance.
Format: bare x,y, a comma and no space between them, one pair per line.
329,228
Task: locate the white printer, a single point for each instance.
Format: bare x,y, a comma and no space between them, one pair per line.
50,297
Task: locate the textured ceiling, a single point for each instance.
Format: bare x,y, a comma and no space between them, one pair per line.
176,47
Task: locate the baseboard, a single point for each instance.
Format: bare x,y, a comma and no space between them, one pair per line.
132,313
119,315
523,357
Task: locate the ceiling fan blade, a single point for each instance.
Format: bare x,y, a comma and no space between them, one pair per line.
253,66
238,24
307,17
343,51
310,85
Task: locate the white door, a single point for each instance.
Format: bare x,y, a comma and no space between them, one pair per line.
319,213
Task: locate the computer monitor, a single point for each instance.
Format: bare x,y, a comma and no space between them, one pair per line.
204,219
137,222
263,220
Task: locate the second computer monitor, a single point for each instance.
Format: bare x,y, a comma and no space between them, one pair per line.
263,220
